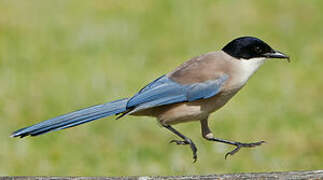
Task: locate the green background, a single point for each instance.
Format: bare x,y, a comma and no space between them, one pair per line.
63,55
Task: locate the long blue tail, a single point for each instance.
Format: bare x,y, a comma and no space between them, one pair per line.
74,118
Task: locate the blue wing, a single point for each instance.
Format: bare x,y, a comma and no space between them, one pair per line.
165,91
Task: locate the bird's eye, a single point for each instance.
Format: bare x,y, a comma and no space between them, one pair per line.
258,49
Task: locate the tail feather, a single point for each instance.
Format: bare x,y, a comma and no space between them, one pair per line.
74,118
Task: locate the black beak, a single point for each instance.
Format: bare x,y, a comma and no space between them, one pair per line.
277,55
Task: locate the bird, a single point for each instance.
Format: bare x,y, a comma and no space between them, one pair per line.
191,92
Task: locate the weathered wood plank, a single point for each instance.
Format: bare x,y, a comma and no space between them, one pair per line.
315,174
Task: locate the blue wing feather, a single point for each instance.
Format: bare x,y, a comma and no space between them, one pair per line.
206,89
165,91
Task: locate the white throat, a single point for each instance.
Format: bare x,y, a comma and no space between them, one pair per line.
245,69
249,66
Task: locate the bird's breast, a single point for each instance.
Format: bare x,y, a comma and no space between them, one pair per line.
190,111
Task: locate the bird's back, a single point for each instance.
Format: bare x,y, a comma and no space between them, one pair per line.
200,69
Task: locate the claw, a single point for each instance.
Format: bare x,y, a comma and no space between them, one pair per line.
192,145
240,145
194,157
185,142
194,150
231,153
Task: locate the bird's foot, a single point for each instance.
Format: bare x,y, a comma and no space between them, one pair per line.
187,142
240,145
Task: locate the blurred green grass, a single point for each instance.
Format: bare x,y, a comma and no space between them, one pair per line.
59,56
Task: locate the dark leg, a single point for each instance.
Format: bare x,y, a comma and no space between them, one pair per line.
186,140
207,134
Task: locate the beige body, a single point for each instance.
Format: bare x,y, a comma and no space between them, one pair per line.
206,67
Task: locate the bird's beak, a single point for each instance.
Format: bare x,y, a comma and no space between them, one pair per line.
277,55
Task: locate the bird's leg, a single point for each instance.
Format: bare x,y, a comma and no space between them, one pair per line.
186,140
207,134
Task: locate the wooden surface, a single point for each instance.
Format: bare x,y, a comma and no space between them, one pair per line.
317,174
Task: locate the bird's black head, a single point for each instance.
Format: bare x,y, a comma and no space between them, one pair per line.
251,47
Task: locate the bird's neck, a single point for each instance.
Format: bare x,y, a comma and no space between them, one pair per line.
244,69
250,66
